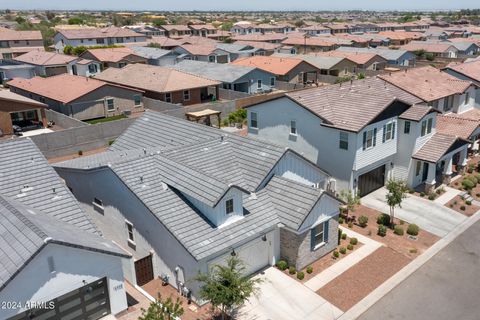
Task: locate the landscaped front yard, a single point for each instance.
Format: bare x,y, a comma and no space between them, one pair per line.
463,206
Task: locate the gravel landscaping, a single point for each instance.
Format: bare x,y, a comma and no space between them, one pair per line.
463,206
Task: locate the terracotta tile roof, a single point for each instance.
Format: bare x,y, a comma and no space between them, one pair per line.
84,61
108,32
417,112
196,40
312,41
472,114
11,35
178,27
356,57
164,41
260,44
202,26
260,37
469,69
110,54
427,83
272,64
456,126
198,49
351,106
44,58
64,88
428,46
14,97
153,78
437,146
401,35
21,49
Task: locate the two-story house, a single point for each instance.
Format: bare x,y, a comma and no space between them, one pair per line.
14,43
363,133
181,197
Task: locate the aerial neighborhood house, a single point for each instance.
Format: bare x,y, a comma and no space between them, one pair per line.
462,127
113,57
242,50
362,133
156,56
19,112
163,192
202,30
313,44
51,63
202,52
399,38
261,37
164,84
394,57
161,42
314,30
442,49
291,70
147,30
365,61
10,69
176,31
52,251
465,48
80,97
265,48
233,77
14,43
438,89
95,37
469,71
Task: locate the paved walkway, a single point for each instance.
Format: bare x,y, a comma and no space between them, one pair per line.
344,264
284,298
428,215
449,194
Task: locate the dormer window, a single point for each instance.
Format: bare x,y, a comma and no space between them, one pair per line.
229,206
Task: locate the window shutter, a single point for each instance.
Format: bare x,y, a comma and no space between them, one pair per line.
312,239
384,132
325,231
393,130
364,140
374,137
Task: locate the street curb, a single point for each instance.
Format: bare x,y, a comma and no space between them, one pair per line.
364,304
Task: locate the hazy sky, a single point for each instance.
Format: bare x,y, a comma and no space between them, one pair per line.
240,4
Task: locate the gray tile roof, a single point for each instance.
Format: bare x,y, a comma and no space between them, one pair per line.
351,106
150,53
24,231
321,62
387,54
26,176
437,146
224,72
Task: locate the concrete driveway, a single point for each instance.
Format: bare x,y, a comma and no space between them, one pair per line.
428,215
283,298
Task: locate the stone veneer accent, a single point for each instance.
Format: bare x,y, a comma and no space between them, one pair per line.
296,248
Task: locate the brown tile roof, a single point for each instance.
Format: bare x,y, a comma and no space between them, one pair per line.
198,49
417,112
472,114
153,78
360,58
436,147
272,64
202,26
312,41
21,49
260,44
164,41
427,46
64,88
260,37
196,40
401,35
11,35
455,126
351,106
108,32
44,58
427,83
178,27
110,54
7,95
469,69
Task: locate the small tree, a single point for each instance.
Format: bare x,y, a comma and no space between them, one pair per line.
397,190
226,286
163,310
350,199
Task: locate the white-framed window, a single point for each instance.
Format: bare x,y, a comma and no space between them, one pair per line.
92,68
110,104
293,127
343,141
186,95
253,120
448,104
319,235
98,202
130,229
388,131
98,205
168,97
426,126
137,99
369,139
418,168
406,127
259,84
272,82
229,206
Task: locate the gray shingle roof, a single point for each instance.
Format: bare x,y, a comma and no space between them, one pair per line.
26,176
437,146
24,231
351,106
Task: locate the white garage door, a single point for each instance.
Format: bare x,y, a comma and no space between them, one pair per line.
254,254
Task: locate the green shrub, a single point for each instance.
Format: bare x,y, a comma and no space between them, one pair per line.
431,196
342,250
383,219
468,184
402,222
336,254
468,203
292,270
422,194
350,225
282,265
413,250
473,179
382,230
350,247
309,269
339,236
398,230
344,236
477,175
462,208
413,229
362,221
300,275
340,220
411,191
353,241
438,191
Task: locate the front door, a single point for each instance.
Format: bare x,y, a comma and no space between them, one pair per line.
425,171
144,270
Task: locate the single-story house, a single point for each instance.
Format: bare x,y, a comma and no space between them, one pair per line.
80,97
113,57
11,69
364,61
305,44
156,56
394,57
443,49
202,52
162,83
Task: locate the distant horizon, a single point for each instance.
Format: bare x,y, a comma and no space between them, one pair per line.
244,6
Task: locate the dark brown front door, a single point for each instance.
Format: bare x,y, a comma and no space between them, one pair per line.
144,270
371,180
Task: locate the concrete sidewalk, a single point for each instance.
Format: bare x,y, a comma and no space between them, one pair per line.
449,194
344,264
428,215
